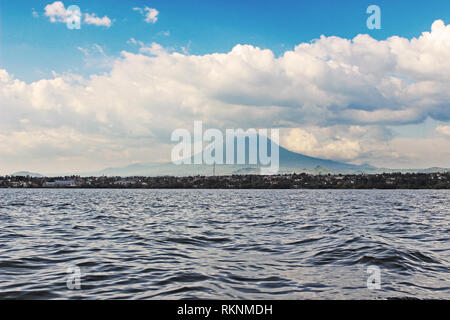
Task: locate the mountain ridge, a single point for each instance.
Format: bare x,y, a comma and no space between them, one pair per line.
289,162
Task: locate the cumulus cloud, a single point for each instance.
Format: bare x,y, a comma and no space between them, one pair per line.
56,12
369,144
337,147
340,94
153,49
443,130
93,19
150,14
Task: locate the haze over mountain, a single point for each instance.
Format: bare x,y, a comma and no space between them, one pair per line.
289,162
26,174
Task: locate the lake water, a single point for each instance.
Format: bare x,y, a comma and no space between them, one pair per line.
231,244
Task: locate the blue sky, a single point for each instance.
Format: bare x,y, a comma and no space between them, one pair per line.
111,93
33,46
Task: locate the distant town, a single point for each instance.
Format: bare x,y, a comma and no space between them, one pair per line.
284,181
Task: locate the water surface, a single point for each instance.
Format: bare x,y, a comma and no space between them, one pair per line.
230,244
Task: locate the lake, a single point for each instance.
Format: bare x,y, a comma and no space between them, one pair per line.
223,244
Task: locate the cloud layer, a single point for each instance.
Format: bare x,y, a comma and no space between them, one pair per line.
337,95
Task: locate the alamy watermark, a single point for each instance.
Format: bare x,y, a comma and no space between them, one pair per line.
374,279
374,20
74,278
73,20
231,149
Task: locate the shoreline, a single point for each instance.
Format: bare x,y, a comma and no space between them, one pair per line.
391,181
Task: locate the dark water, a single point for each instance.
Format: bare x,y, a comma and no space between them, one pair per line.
268,244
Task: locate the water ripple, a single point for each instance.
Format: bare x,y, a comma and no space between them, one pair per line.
230,244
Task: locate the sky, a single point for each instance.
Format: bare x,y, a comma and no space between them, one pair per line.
111,92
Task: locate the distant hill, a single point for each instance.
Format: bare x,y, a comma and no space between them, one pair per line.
425,170
26,174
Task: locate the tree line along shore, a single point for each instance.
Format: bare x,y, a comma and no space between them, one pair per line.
282,181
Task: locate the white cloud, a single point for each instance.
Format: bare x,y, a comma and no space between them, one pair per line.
95,57
341,93
443,130
5,77
164,33
135,42
93,19
56,12
336,147
153,49
150,14
150,49
369,144
84,51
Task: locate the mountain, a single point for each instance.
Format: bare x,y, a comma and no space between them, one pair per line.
289,162
293,160
26,174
